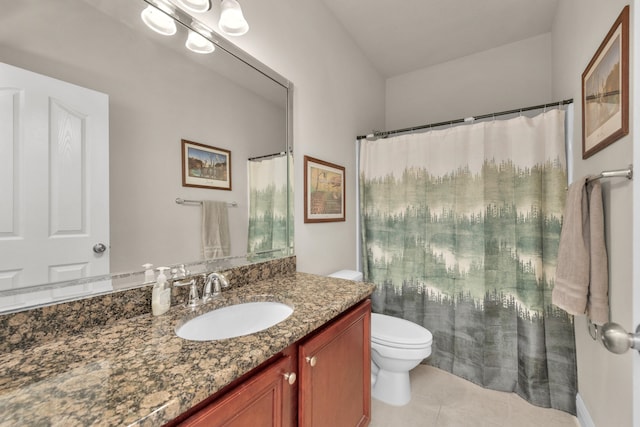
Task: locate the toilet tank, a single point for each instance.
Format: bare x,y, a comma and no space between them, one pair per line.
348,274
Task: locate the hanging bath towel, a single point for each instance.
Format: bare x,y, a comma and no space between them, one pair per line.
582,278
216,242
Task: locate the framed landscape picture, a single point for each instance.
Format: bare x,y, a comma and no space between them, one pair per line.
605,90
324,191
205,166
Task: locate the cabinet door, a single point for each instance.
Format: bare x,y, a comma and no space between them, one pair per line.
335,373
267,399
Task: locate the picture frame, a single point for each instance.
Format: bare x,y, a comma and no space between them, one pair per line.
204,166
324,191
605,90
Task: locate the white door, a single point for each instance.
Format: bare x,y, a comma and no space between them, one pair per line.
54,181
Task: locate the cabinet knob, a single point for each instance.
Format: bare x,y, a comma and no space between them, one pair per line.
290,377
312,361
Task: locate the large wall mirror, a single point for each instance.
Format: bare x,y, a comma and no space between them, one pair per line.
94,107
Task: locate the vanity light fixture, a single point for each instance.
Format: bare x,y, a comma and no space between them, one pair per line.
198,44
197,6
232,20
158,20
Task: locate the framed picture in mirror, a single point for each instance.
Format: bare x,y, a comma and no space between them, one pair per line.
205,166
324,191
605,90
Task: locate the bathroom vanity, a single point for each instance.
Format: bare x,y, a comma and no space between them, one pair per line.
323,380
90,363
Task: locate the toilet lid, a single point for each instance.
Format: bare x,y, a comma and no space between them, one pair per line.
396,332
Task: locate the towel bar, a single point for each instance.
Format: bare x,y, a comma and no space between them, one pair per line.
619,173
199,202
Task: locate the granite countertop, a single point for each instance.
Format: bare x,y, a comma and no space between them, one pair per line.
138,372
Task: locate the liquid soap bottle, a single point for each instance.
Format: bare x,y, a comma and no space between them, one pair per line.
149,275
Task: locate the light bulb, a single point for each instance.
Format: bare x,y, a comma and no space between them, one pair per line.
232,21
158,21
197,6
198,44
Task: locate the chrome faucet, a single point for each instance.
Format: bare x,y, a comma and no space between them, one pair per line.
213,285
217,281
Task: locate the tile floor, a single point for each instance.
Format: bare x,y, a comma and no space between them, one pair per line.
440,399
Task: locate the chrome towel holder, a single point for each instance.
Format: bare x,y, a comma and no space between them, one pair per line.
199,202
618,173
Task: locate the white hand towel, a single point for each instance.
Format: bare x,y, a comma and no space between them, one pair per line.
572,272
598,300
582,283
216,240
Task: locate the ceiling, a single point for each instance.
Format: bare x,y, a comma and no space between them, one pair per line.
400,36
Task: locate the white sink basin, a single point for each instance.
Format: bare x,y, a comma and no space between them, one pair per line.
234,321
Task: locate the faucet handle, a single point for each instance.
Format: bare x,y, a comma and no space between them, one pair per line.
183,271
206,287
223,281
194,297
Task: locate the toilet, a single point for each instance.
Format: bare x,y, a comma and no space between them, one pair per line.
397,346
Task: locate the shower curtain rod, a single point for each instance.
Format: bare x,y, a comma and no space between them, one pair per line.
282,153
385,134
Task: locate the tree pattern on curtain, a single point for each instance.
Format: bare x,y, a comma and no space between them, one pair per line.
460,231
268,206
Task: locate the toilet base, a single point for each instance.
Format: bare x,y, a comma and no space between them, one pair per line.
392,388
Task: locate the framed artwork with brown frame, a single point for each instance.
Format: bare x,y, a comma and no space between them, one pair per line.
324,191
204,166
605,90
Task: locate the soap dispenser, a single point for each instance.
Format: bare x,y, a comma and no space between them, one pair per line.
161,295
149,275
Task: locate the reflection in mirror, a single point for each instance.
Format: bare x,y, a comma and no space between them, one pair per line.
93,107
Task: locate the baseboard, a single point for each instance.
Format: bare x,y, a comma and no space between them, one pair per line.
582,413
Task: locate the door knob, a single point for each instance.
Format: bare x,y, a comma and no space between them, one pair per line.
312,361
616,339
99,248
290,377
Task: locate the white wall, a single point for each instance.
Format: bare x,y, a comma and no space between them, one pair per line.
604,379
337,96
507,77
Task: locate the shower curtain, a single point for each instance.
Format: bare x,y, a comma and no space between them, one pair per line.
268,208
460,230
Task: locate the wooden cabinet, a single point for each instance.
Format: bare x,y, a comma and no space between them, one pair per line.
335,373
265,399
322,380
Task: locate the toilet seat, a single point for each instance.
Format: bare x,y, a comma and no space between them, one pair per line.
399,346
398,333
